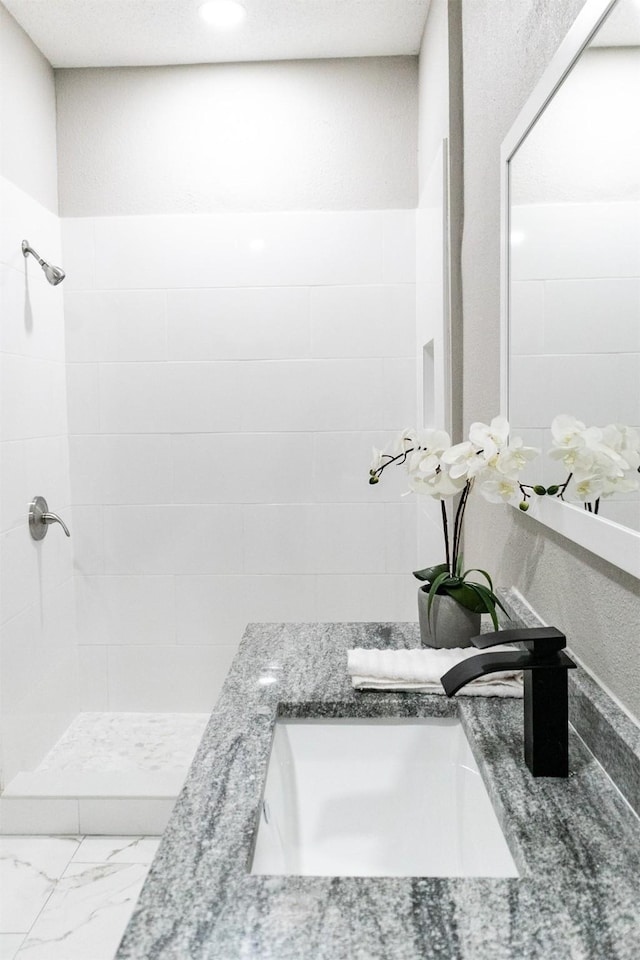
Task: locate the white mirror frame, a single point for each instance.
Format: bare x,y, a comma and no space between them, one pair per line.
615,543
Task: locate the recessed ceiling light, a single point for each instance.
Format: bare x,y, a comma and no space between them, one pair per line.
222,14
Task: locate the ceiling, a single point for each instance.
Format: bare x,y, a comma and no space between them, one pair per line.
106,33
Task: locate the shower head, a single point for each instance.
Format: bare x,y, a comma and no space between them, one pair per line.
53,274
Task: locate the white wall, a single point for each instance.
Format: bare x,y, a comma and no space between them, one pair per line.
575,259
28,115
506,49
591,128
437,249
576,299
300,135
222,415
574,331
38,669
229,372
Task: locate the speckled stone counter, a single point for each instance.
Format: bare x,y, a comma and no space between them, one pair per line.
576,842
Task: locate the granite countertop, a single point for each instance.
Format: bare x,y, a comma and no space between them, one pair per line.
576,842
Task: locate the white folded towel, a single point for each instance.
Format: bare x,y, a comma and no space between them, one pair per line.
421,670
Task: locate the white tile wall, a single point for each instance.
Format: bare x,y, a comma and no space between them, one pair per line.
82,398
98,477
252,250
38,682
526,311
243,468
315,538
592,316
239,323
228,377
384,598
203,538
181,678
599,389
126,610
575,303
115,325
216,609
372,321
573,252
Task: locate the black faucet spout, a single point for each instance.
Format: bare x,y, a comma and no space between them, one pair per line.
476,667
546,700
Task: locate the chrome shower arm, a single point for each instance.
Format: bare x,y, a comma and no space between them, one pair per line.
26,250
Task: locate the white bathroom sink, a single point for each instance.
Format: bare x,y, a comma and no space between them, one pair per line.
377,798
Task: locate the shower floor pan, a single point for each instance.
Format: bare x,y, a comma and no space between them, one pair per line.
110,773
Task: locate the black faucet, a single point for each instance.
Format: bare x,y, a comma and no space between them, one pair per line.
546,702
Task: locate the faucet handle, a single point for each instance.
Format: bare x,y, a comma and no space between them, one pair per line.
540,641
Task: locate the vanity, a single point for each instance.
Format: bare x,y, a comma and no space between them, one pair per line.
575,842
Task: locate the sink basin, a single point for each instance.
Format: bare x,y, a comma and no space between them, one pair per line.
377,798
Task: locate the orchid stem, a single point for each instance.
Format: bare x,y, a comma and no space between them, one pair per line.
399,458
457,526
564,486
445,530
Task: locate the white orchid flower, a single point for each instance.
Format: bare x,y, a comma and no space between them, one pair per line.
463,460
423,463
566,431
404,441
632,457
437,485
490,438
504,490
583,463
515,457
434,441
605,453
619,485
590,488
624,441
376,459
578,458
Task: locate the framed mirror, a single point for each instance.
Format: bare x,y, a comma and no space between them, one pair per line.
570,295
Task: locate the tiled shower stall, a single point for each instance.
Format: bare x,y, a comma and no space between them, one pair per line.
226,378
199,398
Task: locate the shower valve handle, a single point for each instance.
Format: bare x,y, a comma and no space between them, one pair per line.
40,517
54,518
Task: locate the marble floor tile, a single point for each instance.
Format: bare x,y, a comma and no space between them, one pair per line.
116,850
85,917
29,870
10,944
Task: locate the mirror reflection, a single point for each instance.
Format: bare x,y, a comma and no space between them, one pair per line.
574,311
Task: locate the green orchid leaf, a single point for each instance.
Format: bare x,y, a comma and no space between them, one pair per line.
466,598
430,573
497,602
478,570
487,600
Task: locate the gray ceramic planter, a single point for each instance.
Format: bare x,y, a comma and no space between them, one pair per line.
451,624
